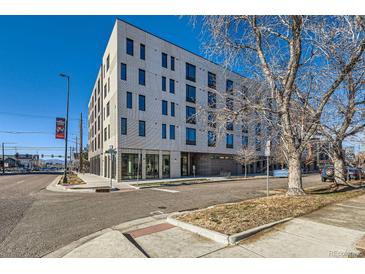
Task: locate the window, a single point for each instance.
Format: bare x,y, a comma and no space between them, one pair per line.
211,139
107,109
172,63
141,102
258,129
190,72
108,84
123,126
123,71
229,86
99,104
211,80
105,90
172,109
172,86
166,166
212,99
172,132
190,136
244,128
131,166
164,107
229,125
141,128
108,131
105,134
190,93
211,119
258,144
163,83
164,60
98,122
142,52
129,46
229,103
152,166
163,131
129,100
107,63
245,141
229,141
190,115
142,77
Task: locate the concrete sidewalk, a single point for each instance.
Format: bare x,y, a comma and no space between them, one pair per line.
334,231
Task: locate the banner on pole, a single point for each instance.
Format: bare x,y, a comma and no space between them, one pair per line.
60,128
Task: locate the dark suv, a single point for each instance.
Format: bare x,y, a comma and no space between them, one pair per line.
328,173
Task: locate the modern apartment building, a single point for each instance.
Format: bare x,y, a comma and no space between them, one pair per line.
144,104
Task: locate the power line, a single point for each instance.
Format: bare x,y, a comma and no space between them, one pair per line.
36,116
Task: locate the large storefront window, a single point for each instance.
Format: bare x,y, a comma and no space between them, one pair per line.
131,167
151,166
184,165
166,166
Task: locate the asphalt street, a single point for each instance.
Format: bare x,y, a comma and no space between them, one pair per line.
35,221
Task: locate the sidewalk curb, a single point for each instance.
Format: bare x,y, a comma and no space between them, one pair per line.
55,187
213,235
217,236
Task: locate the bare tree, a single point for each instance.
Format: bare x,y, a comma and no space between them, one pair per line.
291,57
246,156
344,118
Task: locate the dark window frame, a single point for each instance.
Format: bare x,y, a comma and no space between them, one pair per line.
123,126
190,72
172,109
141,102
123,71
190,93
129,100
129,49
164,59
172,63
163,83
172,86
142,51
143,132
163,131
141,77
229,137
172,132
190,117
212,80
214,135
188,140
164,106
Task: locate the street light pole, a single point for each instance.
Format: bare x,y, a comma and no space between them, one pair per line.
3,159
66,136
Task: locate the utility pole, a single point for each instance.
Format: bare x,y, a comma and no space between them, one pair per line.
81,158
67,108
3,158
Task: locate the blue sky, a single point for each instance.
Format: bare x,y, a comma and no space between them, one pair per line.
35,49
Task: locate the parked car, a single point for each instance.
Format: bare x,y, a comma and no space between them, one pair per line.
282,173
328,173
353,173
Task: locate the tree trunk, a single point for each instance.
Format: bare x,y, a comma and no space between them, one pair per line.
339,169
295,185
245,171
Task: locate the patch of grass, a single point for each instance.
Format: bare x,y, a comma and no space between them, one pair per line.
237,217
72,179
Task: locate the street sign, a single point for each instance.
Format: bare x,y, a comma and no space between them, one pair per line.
60,128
